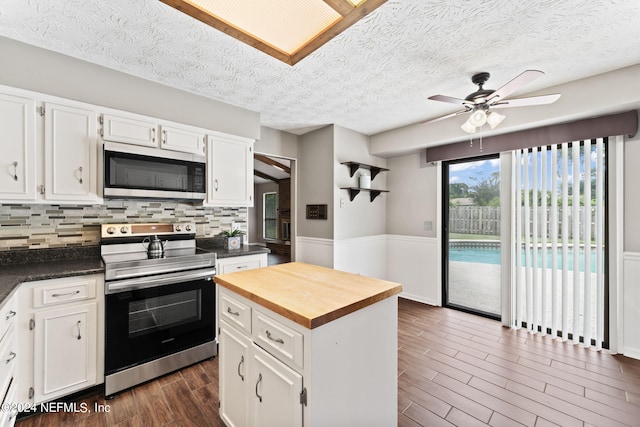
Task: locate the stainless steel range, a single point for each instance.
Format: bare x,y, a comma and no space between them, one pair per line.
160,302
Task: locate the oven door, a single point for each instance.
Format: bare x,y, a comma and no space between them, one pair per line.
146,324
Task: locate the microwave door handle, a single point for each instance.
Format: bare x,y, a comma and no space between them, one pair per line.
154,281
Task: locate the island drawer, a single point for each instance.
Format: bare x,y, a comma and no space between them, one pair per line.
235,312
68,289
278,339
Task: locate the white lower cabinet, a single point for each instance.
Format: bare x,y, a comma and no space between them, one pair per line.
277,390
64,350
61,337
8,362
255,388
234,376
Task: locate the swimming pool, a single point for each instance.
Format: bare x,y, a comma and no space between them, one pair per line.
489,253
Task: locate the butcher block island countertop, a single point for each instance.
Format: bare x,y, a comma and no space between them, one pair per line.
307,294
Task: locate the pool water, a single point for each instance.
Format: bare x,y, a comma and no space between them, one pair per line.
492,256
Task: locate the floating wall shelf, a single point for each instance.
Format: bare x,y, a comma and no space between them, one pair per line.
354,166
353,192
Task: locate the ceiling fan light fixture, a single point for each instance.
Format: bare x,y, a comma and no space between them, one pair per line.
478,118
468,127
494,119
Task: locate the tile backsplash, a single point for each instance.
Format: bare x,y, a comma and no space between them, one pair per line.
55,226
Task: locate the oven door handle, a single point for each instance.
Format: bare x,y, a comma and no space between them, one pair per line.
158,280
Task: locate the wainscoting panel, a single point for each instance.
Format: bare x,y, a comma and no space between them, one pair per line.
314,250
631,304
362,255
414,262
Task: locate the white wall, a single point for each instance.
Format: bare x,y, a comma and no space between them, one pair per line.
412,197
631,199
315,182
39,70
277,143
360,217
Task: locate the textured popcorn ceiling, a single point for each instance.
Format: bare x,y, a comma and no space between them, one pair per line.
375,76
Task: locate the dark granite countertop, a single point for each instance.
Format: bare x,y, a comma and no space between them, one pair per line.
38,264
216,244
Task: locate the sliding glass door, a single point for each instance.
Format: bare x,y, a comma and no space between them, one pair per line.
471,236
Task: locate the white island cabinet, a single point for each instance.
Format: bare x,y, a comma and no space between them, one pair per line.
301,344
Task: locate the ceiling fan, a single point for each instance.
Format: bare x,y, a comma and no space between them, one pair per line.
482,102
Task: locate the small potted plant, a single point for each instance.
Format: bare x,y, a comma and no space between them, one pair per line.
232,239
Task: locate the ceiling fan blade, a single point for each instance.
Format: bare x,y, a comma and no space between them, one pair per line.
524,78
446,116
449,99
523,102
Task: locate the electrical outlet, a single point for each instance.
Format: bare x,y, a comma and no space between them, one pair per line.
428,225
341,202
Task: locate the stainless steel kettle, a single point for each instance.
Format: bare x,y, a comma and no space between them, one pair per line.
155,247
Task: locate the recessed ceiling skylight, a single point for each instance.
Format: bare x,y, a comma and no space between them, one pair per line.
288,30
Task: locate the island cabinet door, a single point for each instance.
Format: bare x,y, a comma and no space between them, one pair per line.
233,373
275,392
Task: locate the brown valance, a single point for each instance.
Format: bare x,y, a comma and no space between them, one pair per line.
597,127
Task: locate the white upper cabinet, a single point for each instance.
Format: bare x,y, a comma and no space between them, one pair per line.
183,139
70,155
229,170
136,129
129,130
18,165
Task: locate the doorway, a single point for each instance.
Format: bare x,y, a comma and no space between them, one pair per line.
273,215
471,236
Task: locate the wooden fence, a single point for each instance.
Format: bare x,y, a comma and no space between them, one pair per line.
485,220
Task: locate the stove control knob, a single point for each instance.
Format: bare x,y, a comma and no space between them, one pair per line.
178,227
111,230
124,230
188,227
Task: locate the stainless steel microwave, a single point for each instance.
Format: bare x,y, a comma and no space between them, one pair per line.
132,171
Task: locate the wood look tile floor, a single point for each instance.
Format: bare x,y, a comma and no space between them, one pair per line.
454,369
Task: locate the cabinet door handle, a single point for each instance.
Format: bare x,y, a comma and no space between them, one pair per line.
153,134
164,136
9,315
239,365
80,170
233,313
12,356
257,384
278,340
78,325
15,171
66,294
215,184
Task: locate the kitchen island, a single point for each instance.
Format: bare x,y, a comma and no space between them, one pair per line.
302,342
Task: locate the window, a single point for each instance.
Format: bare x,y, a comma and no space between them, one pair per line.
269,215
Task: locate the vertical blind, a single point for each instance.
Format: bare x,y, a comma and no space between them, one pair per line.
559,246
